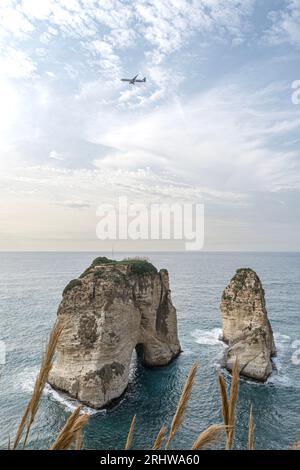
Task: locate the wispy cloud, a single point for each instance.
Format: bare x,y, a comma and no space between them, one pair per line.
14,63
56,155
285,24
106,28
77,204
221,138
214,121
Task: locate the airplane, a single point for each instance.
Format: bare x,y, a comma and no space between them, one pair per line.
133,80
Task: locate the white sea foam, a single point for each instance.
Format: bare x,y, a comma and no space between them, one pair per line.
70,403
208,337
187,352
282,342
279,377
26,380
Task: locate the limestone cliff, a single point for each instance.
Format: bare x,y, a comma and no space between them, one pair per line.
246,328
111,309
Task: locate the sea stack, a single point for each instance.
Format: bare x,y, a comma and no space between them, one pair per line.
246,327
112,309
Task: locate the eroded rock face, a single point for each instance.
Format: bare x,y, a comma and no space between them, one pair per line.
111,309
246,327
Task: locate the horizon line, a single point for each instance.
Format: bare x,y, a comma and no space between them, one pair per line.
150,251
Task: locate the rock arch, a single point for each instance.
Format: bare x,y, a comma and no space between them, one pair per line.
113,308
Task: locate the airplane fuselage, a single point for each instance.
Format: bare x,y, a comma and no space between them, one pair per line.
134,80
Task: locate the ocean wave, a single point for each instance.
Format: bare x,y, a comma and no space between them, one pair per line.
282,341
208,337
281,361
280,379
70,403
281,376
26,381
188,352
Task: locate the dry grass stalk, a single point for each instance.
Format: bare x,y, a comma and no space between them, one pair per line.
224,401
251,431
209,436
296,446
159,438
69,433
41,380
78,440
234,390
130,434
181,407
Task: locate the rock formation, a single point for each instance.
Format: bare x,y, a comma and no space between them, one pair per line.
114,307
246,328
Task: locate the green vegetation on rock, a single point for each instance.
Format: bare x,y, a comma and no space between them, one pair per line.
142,267
137,266
71,285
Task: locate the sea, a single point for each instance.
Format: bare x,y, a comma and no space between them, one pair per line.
31,285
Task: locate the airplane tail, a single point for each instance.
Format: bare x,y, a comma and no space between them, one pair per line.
144,79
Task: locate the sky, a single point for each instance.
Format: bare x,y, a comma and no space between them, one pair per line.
217,121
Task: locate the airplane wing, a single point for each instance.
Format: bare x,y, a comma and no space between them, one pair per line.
132,80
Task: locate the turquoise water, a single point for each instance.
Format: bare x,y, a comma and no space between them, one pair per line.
30,290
